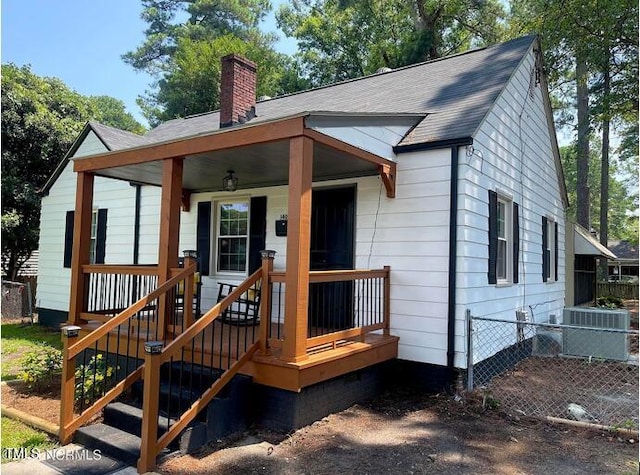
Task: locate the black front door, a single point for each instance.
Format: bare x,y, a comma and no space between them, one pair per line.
332,248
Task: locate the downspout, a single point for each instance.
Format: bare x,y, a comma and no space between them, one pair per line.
136,225
453,251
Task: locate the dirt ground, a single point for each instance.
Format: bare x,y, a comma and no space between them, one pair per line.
401,432
405,432
45,405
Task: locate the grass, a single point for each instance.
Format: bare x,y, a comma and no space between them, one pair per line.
17,435
19,338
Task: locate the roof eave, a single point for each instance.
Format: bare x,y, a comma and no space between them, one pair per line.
44,191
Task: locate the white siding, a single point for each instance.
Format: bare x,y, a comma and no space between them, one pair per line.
90,146
512,155
116,196
409,233
377,135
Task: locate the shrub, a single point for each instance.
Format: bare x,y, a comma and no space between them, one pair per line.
93,380
40,367
609,302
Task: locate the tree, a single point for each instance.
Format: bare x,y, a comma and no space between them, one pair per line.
40,119
622,199
343,39
184,43
591,51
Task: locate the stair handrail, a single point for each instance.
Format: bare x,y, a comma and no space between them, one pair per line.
68,423
126,314
151,445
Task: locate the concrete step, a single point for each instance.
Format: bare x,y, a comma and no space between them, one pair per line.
110,441
128,418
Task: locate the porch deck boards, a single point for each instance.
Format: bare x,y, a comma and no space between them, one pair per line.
220,344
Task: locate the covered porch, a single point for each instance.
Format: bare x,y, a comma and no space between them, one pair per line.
142,316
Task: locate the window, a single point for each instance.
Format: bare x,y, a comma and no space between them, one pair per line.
232,235
504,239
549,249
97,246
94,237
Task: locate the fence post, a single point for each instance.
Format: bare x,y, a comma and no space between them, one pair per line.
150,403
67,395
469,350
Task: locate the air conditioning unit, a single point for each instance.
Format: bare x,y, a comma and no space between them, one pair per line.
594,340
547,342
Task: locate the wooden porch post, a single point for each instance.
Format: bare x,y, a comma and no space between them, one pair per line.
81,244
169,231
150,403
294,347
265,299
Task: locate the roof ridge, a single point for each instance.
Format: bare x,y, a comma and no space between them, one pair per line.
398,69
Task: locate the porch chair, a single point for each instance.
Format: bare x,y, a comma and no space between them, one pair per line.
245,310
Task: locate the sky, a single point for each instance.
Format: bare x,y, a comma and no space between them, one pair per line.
81,42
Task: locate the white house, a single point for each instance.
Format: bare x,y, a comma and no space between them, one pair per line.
456,185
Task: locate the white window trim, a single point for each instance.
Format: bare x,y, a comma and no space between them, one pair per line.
93,242
508,238
551,248
215,223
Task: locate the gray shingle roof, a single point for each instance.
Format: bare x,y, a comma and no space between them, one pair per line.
624,249
116,139
455,92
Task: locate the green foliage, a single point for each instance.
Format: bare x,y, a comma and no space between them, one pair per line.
15,435
41,366
41,117
340,39
604,37
94,379
184,43
18,339
609,302
623,198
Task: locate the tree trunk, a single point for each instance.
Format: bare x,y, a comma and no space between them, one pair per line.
604,168
582,94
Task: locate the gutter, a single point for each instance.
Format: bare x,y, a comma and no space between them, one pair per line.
454,144
453,252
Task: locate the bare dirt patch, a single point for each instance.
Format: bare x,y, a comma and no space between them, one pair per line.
407,432
45,405
546,386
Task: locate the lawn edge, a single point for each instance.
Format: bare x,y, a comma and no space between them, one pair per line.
32,421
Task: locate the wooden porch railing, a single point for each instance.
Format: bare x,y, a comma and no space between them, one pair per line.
217,350
101,365
354,303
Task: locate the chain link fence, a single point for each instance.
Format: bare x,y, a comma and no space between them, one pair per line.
583,373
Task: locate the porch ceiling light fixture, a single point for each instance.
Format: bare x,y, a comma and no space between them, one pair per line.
230,181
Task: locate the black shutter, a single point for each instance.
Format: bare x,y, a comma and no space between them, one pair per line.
257,230
493,236
516,242
555,250
101,236
68,238
203,236
545,255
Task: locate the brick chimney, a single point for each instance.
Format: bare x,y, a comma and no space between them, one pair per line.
237,90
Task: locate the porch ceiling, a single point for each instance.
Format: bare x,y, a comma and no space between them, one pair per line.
257,165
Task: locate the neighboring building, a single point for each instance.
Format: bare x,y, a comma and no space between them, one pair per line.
624,268
448,172
582,256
